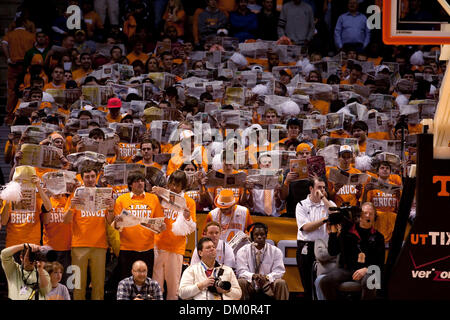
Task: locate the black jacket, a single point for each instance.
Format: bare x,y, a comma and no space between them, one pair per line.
350,243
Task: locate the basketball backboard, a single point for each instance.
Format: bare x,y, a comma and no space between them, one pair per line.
412,22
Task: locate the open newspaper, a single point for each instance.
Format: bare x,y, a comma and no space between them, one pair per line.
215,88
30,134
105,147
316,91
93,199
60,182
81,159
391,146
265,178
171,200
234,96
345,178
117,174
161,130
128,132
378,184
335,121
155,177
280,158
305,168
127,219
239,240
342,141
378,122
381,102
218,179
40,156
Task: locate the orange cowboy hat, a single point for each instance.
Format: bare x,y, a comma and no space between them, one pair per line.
225,199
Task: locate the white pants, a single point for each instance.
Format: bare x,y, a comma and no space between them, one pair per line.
113,10
168,267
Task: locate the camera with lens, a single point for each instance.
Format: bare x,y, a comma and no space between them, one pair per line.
44,254
218,283
345,215
145,296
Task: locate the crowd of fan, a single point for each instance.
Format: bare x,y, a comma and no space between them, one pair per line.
158,39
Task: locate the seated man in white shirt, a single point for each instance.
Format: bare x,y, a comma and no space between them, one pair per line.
260,267
208,280
225,254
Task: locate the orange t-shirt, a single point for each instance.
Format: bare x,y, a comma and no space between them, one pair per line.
154,164
79,74
347,193
336,134
51,85
111,119
177,159
376,61
24,226
88,228
387,206
127,151
378,135
58,234
132,57
92,21
415,128
138,238
19,42
167,240
321,105
358,82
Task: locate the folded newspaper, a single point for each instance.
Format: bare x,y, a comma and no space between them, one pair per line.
345,178
218,179
92,199
127,219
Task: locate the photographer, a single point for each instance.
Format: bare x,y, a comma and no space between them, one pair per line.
311,215
25,278
139,286
359,246
208,280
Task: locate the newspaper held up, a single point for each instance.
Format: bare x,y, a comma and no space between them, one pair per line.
126,219
218,179
93,199
60,182
345,178
265,178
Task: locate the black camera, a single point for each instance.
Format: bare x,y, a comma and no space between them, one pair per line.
218,283
145,296
345,214
42,255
